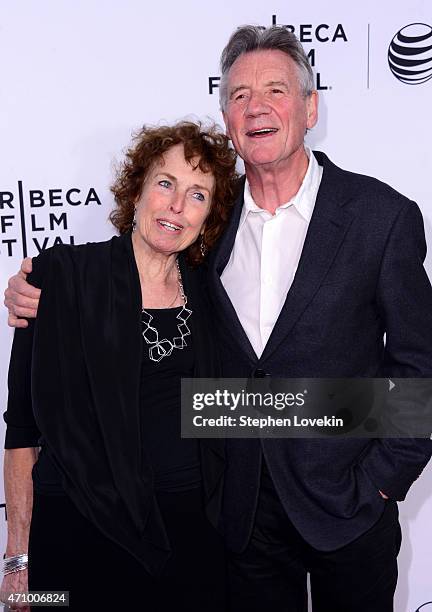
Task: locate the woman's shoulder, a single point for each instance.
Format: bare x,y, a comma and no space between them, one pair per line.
69,255
77,251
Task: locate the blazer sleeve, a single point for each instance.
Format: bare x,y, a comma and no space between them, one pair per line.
404,299
21,430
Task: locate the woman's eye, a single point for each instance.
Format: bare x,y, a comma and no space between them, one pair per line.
165,183
199,196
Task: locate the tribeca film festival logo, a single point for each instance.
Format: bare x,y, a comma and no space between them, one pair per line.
410,54
306,33
426,607
47,221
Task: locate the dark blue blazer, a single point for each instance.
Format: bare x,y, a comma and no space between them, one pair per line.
360,276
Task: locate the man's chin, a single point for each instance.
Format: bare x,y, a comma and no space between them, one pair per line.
262,161
267,159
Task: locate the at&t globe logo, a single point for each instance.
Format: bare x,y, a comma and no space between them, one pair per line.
410,54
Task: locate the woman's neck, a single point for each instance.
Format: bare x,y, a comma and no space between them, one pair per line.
158,276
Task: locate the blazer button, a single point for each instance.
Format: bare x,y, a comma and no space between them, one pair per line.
259,373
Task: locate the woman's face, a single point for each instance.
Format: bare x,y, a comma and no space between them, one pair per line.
174,203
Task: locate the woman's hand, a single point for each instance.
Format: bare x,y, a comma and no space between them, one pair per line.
18,464
16,582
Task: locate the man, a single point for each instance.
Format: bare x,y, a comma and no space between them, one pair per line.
315,267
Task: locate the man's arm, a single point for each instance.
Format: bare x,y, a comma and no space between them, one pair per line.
404,299
21,298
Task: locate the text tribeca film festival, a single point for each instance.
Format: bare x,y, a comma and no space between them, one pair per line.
39,218
409,56
36,217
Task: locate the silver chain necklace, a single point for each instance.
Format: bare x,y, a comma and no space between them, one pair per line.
163,348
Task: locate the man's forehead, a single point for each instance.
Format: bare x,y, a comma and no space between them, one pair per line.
263,65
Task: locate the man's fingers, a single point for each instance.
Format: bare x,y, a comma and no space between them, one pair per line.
16,322
21,286
22,311
21,300
26,265
15,300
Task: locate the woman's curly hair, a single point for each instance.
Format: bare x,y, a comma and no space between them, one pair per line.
207,145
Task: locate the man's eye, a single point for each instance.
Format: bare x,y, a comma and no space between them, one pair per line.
165,183
241,96
275,90
199,196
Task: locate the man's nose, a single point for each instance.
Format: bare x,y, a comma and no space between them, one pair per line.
257,105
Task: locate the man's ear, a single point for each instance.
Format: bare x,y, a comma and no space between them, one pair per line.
312,110
225,118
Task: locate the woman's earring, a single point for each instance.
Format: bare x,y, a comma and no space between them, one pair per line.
203,247
134,220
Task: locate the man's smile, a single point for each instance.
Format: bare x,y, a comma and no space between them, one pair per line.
262,132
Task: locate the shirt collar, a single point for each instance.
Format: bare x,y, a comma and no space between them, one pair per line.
304,199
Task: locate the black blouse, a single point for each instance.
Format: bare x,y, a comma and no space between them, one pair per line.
174,460
75,379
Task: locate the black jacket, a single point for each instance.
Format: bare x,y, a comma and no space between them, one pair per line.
360,276
74,378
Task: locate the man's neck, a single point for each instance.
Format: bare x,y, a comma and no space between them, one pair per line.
272,186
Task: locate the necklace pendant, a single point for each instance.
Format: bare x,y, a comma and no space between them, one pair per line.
184,314
179,342
163,348
160,350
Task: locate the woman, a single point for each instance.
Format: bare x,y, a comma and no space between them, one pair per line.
117,500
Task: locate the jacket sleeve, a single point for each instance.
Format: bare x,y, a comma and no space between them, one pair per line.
21,430
404,299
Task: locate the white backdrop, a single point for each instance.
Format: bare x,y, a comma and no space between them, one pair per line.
77,77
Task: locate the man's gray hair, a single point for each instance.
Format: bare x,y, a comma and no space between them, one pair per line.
256,38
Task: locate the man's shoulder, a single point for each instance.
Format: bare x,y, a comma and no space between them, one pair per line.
362,189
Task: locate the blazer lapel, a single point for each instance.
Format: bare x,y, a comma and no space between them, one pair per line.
207,363
327,229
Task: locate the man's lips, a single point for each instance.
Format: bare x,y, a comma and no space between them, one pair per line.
169,226
262,132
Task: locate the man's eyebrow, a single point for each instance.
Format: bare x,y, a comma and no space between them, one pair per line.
279,83
267,84
236,89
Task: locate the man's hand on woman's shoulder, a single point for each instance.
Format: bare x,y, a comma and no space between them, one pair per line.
21,299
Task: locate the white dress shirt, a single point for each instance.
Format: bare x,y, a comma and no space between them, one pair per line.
265,257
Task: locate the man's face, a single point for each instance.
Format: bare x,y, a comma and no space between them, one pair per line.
266,115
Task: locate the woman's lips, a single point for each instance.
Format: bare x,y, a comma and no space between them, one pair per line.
169,226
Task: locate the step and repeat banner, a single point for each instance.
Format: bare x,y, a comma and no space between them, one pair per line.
77,78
